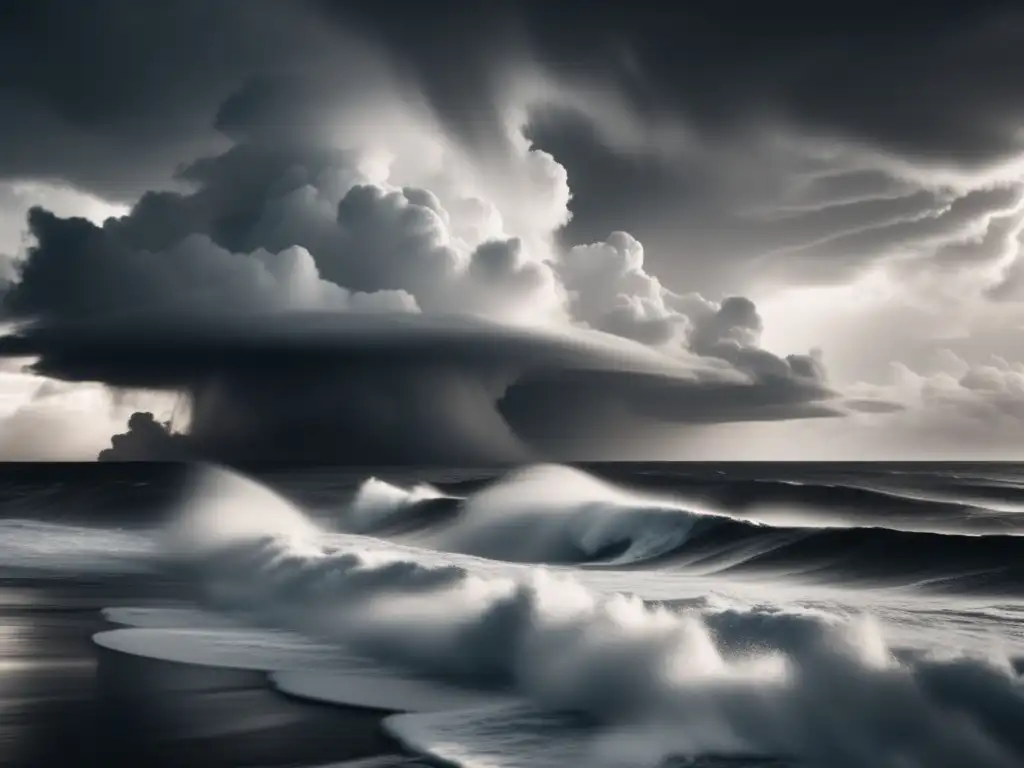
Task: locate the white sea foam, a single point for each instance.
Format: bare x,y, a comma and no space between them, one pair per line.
807,684
749,672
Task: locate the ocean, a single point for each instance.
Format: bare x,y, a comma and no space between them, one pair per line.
621,615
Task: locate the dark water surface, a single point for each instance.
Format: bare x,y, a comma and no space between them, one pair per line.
959,526
55,710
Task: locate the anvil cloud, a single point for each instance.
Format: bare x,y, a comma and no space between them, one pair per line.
493,232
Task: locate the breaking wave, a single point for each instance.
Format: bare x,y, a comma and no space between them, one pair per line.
559,515
543,514
382,508
529,593
643,682
562,516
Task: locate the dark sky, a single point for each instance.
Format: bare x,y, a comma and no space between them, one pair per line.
804,209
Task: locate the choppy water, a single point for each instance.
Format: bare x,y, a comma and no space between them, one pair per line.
626,615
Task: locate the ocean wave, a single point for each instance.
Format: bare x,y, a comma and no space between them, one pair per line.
386,509
549,514
852,503
559,515
809,685
856,557
562,516
925,501
53,549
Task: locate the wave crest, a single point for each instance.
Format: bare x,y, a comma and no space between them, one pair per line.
550,514
560,515
738,682
380,505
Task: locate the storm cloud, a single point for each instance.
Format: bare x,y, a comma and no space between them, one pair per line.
286,223
457,230
841,72
391,389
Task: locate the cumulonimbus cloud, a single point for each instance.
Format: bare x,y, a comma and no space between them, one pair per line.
394,388
299,285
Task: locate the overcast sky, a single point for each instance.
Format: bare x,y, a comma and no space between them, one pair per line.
512,230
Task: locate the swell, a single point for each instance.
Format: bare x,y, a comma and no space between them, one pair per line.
50,548
884,506
937,507
855,557
558,515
